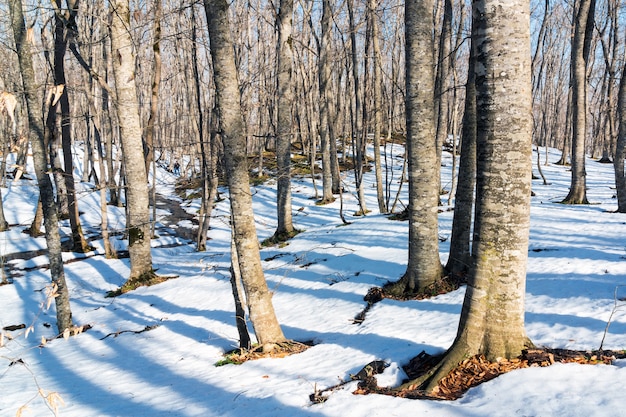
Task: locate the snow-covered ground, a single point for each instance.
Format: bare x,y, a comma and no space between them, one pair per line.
576,268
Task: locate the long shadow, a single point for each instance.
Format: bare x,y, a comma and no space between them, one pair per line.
590,323
176,394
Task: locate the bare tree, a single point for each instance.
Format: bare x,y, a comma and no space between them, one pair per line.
581,46
326,104
459,259
492,318
127,106
620,148
424,266
259,300
284,128
46,193
64,28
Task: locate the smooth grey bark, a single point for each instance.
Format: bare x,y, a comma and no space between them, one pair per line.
492,317
46,193
284,126
137,200
154,90
326,104
620,148
583,31
376,113
207,167
424,265
460,257
266,327
441,81
359,135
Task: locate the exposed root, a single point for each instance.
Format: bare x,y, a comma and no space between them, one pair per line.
476,370
272,350
399,290
280,238
145,280
374,295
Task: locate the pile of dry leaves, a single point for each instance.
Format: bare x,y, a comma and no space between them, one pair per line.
476,370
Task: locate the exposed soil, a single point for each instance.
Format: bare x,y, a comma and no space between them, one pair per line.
175,216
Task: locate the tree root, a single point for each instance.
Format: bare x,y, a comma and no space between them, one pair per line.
400,289
145,280
268,350
441,378
280,238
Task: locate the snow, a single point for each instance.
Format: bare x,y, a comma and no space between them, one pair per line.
575,274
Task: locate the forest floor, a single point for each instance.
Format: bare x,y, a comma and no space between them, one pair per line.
154,351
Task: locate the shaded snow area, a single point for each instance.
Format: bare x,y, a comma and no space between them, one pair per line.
576,268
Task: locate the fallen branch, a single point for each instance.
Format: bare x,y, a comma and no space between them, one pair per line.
119,332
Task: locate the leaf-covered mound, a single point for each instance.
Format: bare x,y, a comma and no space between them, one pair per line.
476,370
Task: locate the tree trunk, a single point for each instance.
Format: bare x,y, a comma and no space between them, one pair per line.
154,91
238,295
583,31
460,257
137,201
359,135
326,100
620,149
424,266
206,205
258,296
377,103
284,127
65,27
46,193
441,82
492,318
4,225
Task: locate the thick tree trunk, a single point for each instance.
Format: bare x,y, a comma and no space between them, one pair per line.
424,266
258,296
33,103
137,201
583,31
492,318
284,127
